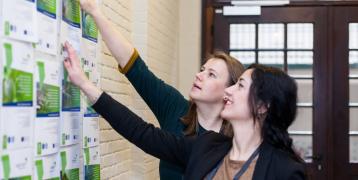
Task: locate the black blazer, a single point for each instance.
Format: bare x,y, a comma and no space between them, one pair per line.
196,155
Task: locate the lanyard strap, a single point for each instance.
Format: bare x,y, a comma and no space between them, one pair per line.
242,170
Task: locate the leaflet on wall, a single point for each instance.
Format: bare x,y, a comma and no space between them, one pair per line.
47,104
90,120
71,112
70,128
47,167
47,26
17,112
70,162
17,164
19,20
91,161
90,132
71,24
89,27
1,27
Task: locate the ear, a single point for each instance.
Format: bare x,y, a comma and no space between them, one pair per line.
262,108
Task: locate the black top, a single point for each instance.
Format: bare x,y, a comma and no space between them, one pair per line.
196,155
167,104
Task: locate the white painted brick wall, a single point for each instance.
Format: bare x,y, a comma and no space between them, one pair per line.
153,28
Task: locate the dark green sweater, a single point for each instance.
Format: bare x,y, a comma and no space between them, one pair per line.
167,104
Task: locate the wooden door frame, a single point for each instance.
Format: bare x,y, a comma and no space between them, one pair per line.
337,122
342,16
321,102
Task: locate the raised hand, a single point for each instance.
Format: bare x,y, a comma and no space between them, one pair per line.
90,6
73,67
77,75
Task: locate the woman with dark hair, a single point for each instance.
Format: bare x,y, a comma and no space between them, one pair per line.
260,107
174,112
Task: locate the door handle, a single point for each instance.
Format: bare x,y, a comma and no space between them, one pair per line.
317,159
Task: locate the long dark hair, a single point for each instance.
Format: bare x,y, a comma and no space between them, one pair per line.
235,69
274,89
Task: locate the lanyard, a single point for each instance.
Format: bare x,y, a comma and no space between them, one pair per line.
242,170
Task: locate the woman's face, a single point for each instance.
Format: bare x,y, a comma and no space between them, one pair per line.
236,99
210,82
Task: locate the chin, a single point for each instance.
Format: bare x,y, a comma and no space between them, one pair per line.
224,115
192,95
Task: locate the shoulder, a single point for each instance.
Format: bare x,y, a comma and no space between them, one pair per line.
286,167
211,138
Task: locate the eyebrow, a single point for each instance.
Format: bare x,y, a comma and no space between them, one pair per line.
242,79
211,69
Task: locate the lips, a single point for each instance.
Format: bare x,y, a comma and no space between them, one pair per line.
227,101
196,86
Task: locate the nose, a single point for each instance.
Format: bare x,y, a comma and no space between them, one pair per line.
199,76
228,91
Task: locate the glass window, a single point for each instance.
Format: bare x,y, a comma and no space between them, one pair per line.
305,87
353,63
242,36
300,63
353,35
272,58
300,36
303,146
245,57
271,36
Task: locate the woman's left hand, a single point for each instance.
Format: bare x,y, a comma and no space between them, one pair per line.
73,67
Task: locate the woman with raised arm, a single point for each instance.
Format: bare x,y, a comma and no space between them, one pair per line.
174,113
260,107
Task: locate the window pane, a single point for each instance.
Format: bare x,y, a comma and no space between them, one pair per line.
353,35
300,63
271,36
353,148
245,57
303,121
353,89
353,63
353,119
242,36
303,146
300,36
272,58
305,88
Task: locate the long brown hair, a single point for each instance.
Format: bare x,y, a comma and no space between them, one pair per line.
235,69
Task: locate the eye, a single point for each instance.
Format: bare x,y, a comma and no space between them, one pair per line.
240,85
212,75
202,69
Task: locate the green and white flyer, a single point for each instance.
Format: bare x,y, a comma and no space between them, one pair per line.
47,26
91,161
71,24
71,114
89,27
17,164
71,96
19,20
47,121
70,162
17,112
90,133
47,167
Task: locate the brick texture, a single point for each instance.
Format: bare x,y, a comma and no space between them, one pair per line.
153,28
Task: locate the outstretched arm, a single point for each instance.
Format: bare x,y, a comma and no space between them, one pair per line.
165,101
152,140
120,48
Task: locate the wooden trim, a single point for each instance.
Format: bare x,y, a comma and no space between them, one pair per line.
206,30
218,3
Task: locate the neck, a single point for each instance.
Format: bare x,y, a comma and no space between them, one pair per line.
209,116
247,138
